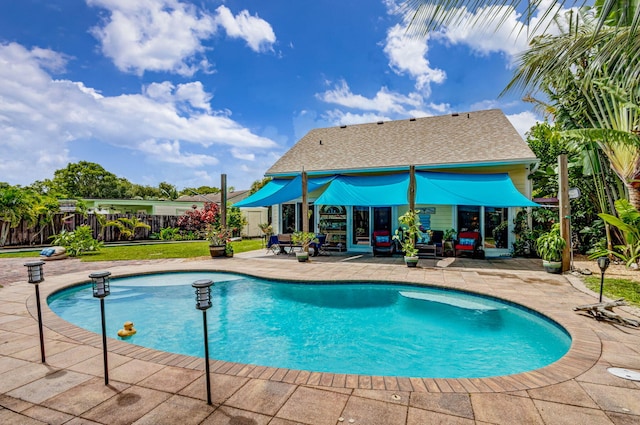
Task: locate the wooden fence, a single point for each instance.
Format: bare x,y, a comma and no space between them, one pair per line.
23,235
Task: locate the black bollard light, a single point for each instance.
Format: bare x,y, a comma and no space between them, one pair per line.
36,275
100,281
203,302
603,263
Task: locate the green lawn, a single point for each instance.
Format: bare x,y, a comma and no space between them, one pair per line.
153,251
616,288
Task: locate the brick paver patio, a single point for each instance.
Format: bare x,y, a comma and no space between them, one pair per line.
152,387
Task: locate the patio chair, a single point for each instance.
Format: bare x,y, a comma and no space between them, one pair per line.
382,242
468,243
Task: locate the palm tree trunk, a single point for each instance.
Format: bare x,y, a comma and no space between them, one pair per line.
634,194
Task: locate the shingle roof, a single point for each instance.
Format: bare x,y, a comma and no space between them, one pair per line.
481,137
232,197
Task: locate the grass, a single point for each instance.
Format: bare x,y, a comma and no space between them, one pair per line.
153,251
616,288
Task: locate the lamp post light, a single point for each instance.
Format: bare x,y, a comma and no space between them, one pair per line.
100,281
203,302
603,263
36,275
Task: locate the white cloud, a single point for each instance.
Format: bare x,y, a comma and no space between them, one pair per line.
255,31
408,54
384,101
170,152
154,35
168,35
523,121
40,117
511,37
337,117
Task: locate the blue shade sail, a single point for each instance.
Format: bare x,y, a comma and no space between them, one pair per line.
496,190
282,190
382,190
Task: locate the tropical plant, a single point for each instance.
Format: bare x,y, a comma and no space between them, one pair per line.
449,235
216,235
616,19
303,239
127,226
77,242
550,245
410,224
199,220
628,222
266,228
169,234
15,206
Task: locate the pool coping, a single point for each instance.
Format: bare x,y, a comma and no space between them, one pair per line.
583,354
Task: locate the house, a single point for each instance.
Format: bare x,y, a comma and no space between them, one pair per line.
470,171
254,215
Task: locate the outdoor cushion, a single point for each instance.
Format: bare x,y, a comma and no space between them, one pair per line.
382,239
467,241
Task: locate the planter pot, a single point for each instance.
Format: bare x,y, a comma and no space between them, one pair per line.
229,254
552,266
217,251
411,261
302,256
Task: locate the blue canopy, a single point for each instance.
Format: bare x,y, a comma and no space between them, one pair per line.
383,190
495,190
278,191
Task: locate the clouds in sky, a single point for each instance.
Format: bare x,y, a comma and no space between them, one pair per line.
168,35
41,116
179,124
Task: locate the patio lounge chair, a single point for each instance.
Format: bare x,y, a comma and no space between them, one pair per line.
468,243
382,242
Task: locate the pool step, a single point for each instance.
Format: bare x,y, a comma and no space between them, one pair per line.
452,301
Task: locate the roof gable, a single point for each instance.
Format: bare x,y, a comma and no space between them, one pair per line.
474,137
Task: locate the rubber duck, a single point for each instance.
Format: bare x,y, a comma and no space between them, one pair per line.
127,330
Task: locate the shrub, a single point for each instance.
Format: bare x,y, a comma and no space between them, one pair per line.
77,242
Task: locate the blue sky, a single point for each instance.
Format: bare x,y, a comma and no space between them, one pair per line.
180,91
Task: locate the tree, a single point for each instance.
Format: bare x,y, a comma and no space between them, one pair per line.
15,205
167,190
88,180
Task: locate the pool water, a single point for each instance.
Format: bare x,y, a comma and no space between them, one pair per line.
367,328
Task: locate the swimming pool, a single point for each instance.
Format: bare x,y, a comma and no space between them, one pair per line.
355,328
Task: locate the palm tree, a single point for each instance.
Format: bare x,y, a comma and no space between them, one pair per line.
15,205
616,26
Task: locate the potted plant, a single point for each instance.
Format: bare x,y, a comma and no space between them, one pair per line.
447,238
303,239
228,250
549,247
410,223
218,238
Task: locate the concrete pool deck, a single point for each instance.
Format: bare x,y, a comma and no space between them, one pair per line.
152,387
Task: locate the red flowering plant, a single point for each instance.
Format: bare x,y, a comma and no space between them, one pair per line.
199,220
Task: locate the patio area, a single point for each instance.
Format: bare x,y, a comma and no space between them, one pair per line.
153,387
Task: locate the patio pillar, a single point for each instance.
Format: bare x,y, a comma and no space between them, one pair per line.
305,205
412,187
565,210
223,201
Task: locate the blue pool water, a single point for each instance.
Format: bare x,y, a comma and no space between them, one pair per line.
372,329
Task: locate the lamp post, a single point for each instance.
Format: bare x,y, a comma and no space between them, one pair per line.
603,263
36,275
100,281
203,302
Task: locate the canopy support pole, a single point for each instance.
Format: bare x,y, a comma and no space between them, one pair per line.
412,188
305,205
565,209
